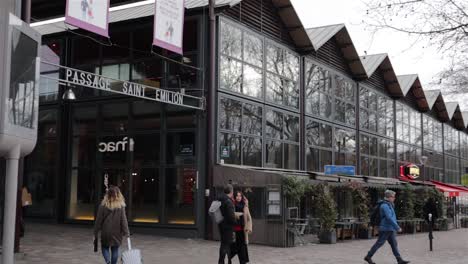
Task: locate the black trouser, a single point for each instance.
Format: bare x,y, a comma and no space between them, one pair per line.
224,251
239,248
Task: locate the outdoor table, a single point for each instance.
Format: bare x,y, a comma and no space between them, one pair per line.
344,225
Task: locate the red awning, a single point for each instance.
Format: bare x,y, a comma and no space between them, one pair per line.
450,190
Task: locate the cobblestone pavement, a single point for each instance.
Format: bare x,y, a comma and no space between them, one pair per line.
64,244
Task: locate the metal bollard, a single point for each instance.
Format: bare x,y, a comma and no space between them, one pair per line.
430,232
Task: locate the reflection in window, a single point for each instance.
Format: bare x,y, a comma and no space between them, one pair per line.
241,61
274,154
252,84
252,119
180,195
230,115
274,124
230,74
230,148
328,145
252,152
282,87
253,49
231,40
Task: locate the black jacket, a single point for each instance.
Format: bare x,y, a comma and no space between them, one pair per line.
226,227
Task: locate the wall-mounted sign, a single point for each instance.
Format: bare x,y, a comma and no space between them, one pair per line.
169,24
117,146
412,171
91,15
340,170
274,200
77,77
225,151
186,150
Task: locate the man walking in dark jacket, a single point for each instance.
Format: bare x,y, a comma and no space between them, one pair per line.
226,227
387,229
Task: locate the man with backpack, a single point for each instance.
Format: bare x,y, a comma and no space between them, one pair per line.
226,226
388,227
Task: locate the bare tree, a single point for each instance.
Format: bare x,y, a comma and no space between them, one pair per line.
440,23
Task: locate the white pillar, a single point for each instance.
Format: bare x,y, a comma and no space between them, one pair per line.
9,219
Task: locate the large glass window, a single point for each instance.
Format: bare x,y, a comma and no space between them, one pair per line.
452,170
282,140
376,112
377,156
329,95
432,132
327,144
240,125
241,61
82,193
318,100
282,85
41,167
451,141
49,88
180,195
408,123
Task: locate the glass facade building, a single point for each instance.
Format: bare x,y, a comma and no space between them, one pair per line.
279,106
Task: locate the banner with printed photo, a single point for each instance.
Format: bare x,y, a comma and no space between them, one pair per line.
169,24
91,15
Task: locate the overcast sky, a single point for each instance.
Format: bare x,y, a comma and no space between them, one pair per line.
407,54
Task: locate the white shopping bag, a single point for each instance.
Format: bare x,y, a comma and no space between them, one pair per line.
131,256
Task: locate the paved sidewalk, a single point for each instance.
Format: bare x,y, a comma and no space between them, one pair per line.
64,244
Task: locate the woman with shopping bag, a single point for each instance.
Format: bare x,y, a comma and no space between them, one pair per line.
111,222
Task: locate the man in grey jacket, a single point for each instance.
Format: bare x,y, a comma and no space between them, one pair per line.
387,229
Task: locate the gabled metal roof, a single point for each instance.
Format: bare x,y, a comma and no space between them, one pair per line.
410,84
321,35
431,97
406,82
372,62
457,119
441,108
381,61
465,118
293,24
451,107
123,13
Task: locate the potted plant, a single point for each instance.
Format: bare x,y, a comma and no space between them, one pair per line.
405,208
361,201
327,209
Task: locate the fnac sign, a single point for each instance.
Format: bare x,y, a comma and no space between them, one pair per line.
411,171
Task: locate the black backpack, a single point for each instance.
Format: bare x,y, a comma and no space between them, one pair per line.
375,215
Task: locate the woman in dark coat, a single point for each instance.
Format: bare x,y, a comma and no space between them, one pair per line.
242,228
112,222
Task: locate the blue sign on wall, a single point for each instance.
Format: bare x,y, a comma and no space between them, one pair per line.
340,170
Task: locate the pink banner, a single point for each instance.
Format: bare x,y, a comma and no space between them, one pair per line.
91,15
169,24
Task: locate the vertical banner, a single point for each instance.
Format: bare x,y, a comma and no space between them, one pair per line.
169,24
91,15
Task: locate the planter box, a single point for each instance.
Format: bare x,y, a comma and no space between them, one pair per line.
327,237
366,233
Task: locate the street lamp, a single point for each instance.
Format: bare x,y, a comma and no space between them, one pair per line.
423,160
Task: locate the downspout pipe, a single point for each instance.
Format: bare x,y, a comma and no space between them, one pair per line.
211,108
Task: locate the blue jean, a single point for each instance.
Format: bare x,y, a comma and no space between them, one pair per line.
389,236
108,257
